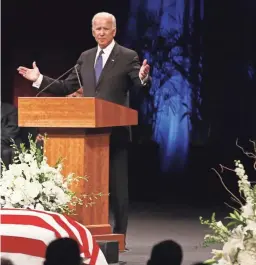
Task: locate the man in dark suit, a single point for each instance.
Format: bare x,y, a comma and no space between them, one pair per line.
107,71
9,130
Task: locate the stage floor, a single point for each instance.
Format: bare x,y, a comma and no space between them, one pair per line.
150,224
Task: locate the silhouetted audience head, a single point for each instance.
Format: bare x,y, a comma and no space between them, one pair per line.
198,263
63,251
166,252
5,261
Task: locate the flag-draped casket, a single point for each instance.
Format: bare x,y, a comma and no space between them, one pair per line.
26,233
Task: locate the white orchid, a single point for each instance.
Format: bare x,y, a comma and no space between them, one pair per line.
238,238
247,210
246,257
16,197
234,244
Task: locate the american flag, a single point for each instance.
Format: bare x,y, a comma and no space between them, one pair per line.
25,235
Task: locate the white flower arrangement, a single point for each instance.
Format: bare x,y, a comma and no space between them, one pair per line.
30,182
238,237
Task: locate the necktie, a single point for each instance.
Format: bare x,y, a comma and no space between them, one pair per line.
98,66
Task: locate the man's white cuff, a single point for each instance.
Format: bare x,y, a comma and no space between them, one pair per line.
38,82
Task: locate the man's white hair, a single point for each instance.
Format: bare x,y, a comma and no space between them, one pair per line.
104,15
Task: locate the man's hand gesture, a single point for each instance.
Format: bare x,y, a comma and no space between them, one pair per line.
29,74
144,70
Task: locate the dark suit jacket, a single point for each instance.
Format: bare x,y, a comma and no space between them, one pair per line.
119,75
9,125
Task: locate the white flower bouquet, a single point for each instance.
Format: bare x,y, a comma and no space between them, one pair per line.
238,237
30,182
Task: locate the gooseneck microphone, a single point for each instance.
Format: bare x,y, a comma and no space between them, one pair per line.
55,80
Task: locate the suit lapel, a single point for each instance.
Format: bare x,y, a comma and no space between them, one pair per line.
90,64
110,63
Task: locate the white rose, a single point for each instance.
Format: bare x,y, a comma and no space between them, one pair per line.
23,166
15,170
32,189
19,182
230,250
48,187
246,258
7,177
235,242
16,197
34,167
7,193
39,207
28,158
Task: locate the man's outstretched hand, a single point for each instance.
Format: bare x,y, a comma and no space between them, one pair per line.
29,74
144,70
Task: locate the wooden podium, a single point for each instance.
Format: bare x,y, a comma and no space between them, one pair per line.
78,130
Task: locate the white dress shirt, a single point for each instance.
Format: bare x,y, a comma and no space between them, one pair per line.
106,52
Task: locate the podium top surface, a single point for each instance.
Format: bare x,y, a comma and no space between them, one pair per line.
65,112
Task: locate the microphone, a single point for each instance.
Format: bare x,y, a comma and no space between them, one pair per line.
55,80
